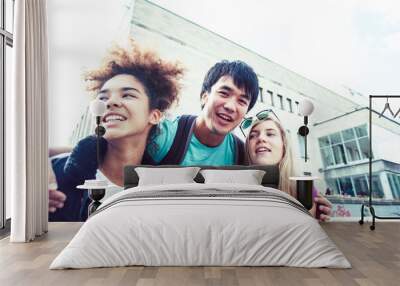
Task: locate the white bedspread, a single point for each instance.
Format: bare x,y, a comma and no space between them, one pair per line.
201,224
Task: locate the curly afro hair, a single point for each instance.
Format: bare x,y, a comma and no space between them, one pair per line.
159,78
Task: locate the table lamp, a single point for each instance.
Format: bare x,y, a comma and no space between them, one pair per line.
98,108
96,188
306,107
304,185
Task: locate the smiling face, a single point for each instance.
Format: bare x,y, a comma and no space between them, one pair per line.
265,143
224,106
128,110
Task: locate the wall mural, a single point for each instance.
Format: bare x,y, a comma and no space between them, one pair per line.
177,94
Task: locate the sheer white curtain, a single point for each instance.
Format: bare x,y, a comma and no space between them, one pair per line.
28,147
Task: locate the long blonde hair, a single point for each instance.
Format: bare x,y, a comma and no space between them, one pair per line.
285,165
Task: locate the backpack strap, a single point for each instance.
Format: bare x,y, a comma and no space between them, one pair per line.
181,141
147,159
239,151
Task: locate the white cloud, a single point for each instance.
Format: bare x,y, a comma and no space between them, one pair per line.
332,42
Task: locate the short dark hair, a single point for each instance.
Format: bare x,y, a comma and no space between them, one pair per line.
242,74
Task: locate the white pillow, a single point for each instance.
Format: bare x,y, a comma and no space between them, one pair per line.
249,177
163,176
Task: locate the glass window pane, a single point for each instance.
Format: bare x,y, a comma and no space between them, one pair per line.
338,154
396,189
397,184
348,134
346,187
9,15
327,157
361,131
364,147
335,138
8,82
324,141
377,190
394,182
352,151
332,188
361,186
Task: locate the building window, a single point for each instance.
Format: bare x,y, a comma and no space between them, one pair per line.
377,190
324,141
271,96
333,187
356,186
335,138
280,99
327,157
346,187
337,148
394,182
297,107
363,141
338,154
289,103
361,185
6,44
260,95
361,131
349,145
352,151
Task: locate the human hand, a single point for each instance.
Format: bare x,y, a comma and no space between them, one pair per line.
325,207
56,200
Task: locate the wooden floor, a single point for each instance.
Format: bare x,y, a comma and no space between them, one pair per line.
374,255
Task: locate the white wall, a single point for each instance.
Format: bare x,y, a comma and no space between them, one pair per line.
80,32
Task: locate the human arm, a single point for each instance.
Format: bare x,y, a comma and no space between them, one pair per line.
70,171
75,167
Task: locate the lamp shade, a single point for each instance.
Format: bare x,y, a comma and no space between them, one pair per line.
97,107
306,107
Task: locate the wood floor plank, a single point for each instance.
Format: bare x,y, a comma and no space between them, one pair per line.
374,255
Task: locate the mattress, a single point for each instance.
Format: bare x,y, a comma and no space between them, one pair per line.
201,225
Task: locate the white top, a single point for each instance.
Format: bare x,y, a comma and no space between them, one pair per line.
303,178
94,184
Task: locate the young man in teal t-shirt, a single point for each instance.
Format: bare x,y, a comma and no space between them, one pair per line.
229,91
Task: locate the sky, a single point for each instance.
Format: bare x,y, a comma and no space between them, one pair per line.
341,43
353,43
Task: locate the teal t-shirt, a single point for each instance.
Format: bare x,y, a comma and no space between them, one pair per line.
197,153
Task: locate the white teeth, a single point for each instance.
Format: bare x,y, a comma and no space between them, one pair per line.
225,117
262,149
110,118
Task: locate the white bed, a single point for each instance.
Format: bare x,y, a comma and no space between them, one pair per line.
201,224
